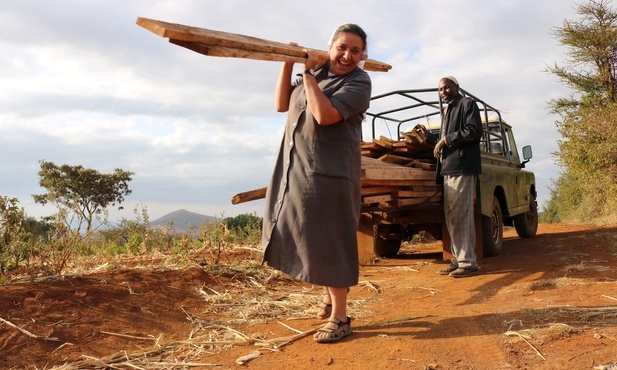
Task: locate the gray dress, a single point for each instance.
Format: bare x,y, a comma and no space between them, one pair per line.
313,200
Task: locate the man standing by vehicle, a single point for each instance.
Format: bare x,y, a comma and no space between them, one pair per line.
458,150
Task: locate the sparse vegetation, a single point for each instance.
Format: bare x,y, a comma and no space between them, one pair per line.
51,247
587,186
80,232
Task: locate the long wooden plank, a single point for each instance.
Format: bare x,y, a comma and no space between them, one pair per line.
391,158
418,194
370,153
410,201
378,190
223,51
397,173
378,178
423,165
380,182
174,31
247,196
225,44
376,163
427,188
377,198
369,145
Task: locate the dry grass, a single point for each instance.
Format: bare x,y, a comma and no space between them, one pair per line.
577,268
557,283
256,295
539,335
566,315
587,265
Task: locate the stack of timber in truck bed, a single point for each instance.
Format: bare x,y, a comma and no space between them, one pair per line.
397,174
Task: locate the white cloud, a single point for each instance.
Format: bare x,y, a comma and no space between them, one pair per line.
81,83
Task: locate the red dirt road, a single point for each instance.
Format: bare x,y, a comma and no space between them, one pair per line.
547,303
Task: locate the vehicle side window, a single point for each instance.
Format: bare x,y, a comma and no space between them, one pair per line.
493,141
496,140
512,151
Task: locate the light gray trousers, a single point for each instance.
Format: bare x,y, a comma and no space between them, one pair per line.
458,195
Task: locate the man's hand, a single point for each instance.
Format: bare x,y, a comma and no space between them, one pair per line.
439,147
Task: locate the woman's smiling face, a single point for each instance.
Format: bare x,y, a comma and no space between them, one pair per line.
345,53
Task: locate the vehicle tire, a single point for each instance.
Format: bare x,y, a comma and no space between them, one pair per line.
387,248
492,231
526,224
387,240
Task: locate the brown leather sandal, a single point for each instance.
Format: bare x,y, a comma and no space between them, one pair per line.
326,307
336,330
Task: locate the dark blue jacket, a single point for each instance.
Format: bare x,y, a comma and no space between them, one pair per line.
463,131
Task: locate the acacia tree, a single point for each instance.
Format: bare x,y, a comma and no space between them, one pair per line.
587,153
592,56
83,192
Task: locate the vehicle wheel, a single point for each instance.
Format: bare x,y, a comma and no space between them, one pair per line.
387,240
526,224
387,248
492,231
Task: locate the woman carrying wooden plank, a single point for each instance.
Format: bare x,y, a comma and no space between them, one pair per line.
313,200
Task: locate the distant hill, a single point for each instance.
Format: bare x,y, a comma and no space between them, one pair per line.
182,220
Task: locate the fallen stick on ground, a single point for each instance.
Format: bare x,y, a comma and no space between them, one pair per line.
127,336
510,333
290,328
27,332
280,342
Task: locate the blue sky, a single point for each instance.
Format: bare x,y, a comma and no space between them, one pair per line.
82,84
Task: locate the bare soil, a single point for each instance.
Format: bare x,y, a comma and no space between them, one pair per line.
549,302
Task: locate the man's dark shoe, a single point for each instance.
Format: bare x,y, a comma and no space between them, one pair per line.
464,272
447,270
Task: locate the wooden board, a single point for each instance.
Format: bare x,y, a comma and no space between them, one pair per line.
396,173
419,194
224,44
247,196
377,190
391,158
371,145
379,182
410,201
368,162
377,199
424,166
433,188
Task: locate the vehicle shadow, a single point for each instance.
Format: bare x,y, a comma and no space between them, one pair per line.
423,327
588,254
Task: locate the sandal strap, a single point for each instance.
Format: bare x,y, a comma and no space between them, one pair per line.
324,305
335,330
336,327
